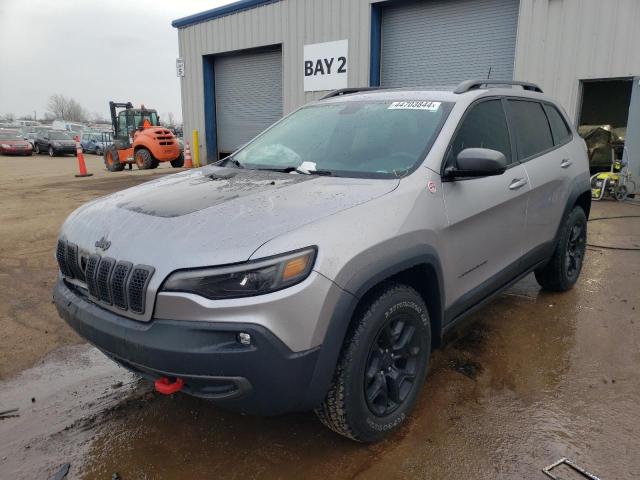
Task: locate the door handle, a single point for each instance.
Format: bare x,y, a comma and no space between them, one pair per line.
565,163
517,183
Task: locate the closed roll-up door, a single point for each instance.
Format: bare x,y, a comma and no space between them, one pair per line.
442,42
248,90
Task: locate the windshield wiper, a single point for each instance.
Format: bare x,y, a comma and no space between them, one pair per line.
231,160
326,173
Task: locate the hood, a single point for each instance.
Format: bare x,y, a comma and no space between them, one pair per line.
211,216
16,143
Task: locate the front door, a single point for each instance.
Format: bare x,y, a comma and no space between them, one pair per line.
486,215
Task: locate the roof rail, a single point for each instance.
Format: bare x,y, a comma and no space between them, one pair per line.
347,91
474,84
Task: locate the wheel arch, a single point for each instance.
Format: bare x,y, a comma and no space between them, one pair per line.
419,270
579,195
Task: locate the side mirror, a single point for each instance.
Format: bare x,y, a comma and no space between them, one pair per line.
477,162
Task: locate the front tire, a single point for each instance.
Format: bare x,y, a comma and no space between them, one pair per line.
178,162
382,366
112,160
563,269
144,159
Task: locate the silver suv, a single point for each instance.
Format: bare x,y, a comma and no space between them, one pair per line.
319,265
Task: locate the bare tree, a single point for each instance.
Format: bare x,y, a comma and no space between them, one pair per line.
99,118
65,108
8,117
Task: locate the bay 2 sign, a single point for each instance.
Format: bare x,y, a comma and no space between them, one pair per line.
325,66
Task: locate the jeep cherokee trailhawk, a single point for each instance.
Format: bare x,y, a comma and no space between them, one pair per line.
319,265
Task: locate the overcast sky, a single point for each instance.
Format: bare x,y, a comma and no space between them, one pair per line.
93,51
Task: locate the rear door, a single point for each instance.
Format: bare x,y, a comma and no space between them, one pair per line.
486,215
544,153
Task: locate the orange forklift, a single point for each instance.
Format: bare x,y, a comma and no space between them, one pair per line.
138,138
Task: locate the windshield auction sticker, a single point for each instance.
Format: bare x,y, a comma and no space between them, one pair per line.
415,105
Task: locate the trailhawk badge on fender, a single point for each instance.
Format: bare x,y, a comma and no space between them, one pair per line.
432,186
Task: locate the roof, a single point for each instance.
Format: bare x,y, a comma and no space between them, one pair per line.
219,12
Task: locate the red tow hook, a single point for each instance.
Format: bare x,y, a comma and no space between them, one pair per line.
165,387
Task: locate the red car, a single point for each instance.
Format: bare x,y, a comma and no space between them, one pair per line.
13,144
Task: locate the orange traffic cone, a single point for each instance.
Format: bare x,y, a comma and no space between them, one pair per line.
188,163
81,165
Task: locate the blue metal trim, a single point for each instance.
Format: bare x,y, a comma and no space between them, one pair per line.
376,44
219,12
210,126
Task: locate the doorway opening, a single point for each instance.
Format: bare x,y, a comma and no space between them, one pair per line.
603,118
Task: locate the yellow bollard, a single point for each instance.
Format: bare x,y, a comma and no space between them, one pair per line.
196,149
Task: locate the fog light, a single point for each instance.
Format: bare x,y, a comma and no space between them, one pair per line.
244,338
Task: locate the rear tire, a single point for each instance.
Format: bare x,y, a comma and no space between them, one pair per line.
382,366
52,152
563,269
144,159
112,160
178,162
36,149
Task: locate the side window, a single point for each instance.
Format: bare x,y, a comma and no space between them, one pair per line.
559,128
532,131
485,126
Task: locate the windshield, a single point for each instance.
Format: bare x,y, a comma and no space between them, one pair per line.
370,139
59,136
141,116
9,136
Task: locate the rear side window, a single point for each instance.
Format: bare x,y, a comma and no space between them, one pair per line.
559,127
485,126
532,131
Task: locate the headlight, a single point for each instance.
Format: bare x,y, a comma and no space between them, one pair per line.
5,145
247,279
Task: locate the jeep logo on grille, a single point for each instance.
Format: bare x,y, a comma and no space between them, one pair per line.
103,243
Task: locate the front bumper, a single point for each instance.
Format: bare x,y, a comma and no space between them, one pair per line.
264,378
64,149
16,151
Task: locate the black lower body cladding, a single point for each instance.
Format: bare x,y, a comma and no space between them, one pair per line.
263,378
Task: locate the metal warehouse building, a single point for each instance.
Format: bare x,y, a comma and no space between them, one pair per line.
248,63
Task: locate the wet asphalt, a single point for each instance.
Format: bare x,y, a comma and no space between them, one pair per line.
533,377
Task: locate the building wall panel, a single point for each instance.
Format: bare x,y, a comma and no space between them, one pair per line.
291,23
561,42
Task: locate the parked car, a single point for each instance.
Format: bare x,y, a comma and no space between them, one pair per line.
13,144
95,142
29,134
333,252
54,143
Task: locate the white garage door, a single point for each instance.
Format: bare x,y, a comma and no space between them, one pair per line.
442,42
248,91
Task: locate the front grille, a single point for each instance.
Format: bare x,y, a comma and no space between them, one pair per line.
109,282
72,261
90,275
103,277
137,286
61,256
119,284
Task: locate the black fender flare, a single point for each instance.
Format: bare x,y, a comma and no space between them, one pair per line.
353,291
578,189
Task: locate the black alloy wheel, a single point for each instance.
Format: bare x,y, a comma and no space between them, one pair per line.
576,246
392,365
